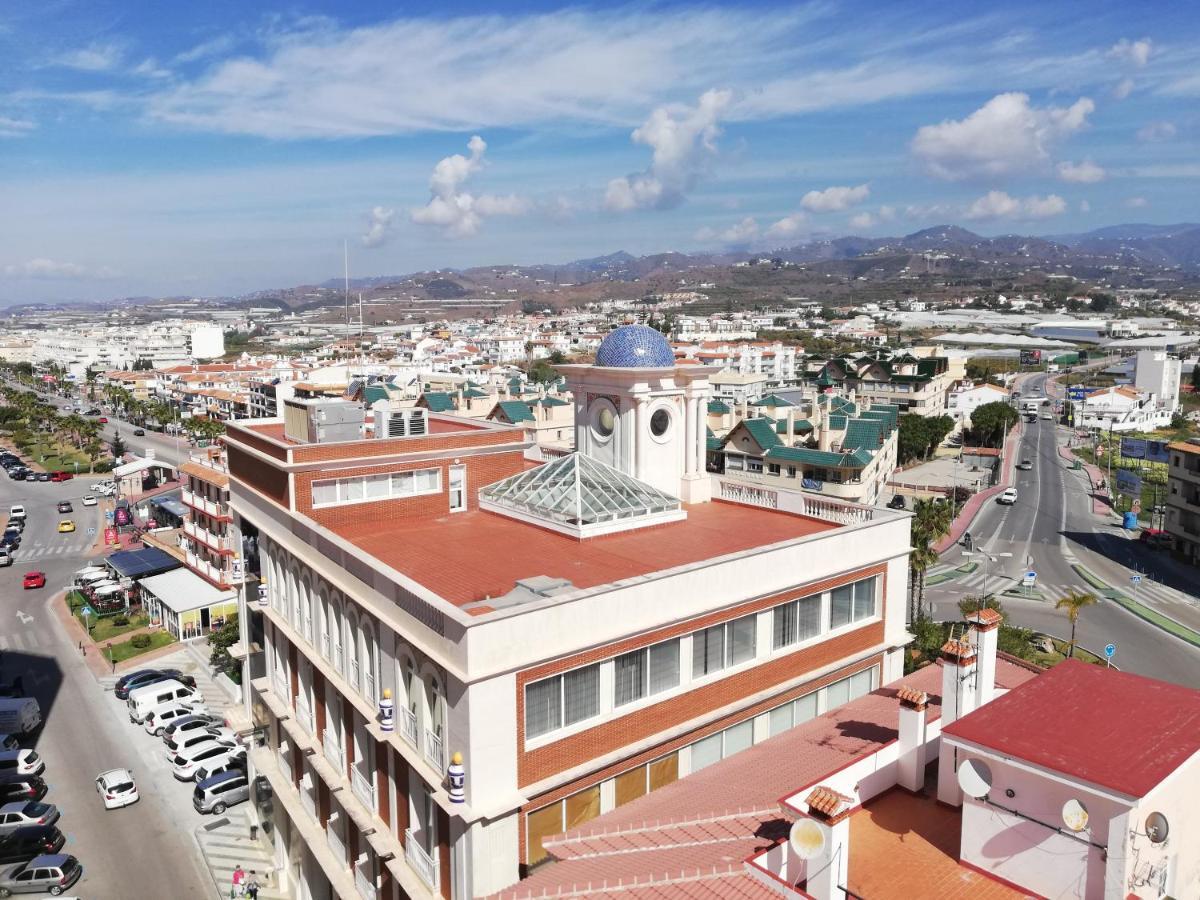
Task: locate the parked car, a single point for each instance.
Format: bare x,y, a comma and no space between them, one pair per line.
216,793
186,762
17,474
26,843
5,557
159,693
220,766
1008,498
52,874
126,684
160,717
61,476
1047,417
11,539
9,742
89,500
22,787
1025,465
34,580
64,506
116,788
139,432
28,812
21,762
16,512
184,724
43,476
178,743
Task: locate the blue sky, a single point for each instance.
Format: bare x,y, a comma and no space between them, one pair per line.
223,147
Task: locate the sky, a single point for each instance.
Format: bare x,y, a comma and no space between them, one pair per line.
223,147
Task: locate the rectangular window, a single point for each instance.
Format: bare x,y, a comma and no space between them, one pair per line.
539,824
324,492
781,719
458,488
797,621
837,693
663,771
706,752
629,677
741,639
630,785
864,598
772,468
376,487
562,700
739,737
723,645
806,708
664,666
861,683
754,464
644,672
841,606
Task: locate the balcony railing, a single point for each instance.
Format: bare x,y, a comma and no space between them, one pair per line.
194,500
364,787
221,576
408,725
421,862
335,753
304,715
203,535
362,882
336,844
279,685
434,752
284,753
308,801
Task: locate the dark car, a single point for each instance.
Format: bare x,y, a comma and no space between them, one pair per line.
134,680
21,787
139,432
16,474
11,539
897,502
64,506
26,843
94,411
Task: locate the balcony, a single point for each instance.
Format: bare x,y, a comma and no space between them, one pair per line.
364,787
435,751
336,844
304,715
216,542
362,882
195,501
279,685
421,862
308,799
408,725
335,753
208,570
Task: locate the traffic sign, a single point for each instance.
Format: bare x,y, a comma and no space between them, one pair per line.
1109,650
87,611
1136,579
91,529
1029,580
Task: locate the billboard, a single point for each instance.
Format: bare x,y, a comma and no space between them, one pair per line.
1031,357
1142,448
1077,392
1128,483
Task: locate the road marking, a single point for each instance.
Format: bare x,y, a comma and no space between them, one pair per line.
24,617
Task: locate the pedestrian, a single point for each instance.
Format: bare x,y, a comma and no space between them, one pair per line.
239,882
252,886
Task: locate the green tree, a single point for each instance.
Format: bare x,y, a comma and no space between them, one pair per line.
220,641
117,445
1074,603
930,523
991,421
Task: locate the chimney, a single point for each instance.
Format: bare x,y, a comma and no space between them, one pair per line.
790,439
958,699
985,634
825,438
911,762
825,873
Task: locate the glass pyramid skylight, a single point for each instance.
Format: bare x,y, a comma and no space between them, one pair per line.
581,496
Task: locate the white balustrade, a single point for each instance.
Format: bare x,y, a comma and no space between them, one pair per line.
364,787
408,725
421,862
434,751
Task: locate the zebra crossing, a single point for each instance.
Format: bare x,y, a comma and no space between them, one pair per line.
27,553
981,582
27,640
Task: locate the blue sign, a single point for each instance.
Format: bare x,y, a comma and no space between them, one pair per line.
1128,483
1141,448
1078,392
1136,579
1109,650
88,611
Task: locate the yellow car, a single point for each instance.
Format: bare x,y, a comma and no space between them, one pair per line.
66,525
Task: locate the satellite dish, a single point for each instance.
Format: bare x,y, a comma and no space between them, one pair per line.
1157,827
807,838
975,778
1075,815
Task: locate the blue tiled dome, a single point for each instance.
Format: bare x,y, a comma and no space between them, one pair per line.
634,347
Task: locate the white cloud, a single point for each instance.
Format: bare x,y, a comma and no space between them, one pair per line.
454,210
93,58
887,213
1084,206
214,47
1157,131
150,68
43,268
1136,52
1123,88
379,226
1000,205
744,232
683,140
787,227
15,128
835,199
862,220
1137,202
1086,172
1006,135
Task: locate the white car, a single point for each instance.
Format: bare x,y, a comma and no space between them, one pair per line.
204,755
5,557
181,743
1008,498
89,500
161,716
116,788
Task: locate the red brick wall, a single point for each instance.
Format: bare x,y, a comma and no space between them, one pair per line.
672,746
571,751
250,439
462,440
481,470
261,476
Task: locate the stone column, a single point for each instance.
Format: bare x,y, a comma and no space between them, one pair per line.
640,426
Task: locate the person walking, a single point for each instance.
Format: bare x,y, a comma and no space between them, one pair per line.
239,882
252,886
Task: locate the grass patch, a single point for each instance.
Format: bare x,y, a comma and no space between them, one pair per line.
967,568
125,650
1091,579
939,578
1141,611
105,629
1044,658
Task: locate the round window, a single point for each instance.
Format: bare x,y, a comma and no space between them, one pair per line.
660,422
605,422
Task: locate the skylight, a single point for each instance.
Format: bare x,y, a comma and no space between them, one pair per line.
581,496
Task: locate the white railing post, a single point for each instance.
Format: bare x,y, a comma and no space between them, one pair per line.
408,725
434,753
421,862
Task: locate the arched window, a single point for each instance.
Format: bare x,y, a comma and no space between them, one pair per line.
368,662
412,689
306,600
433,701
294,592
352,652
335,633
323,612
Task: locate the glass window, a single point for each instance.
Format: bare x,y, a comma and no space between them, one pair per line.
797,621
428,480
783,625
805,708
742,639
351,489
864,598
582,807
629,677
706,752
539,824
402,484
663,771
841,607
780,719
739,737
708,650
664,666
324,492
581,694
861,682
837,693
543,706
377,487
630,785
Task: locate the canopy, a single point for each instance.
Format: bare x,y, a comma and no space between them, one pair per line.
182,590
141,563
140,465
171,505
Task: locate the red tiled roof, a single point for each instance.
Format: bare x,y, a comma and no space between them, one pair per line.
912,697
1113,729
712,820
827,801
469,556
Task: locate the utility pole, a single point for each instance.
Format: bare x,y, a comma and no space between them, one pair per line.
1111,492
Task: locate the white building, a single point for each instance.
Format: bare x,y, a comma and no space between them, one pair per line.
1157,372
961,403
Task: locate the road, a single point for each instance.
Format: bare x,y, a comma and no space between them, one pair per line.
145,850
1052,526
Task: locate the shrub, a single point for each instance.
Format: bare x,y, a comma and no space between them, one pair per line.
120,621
141,641
103,465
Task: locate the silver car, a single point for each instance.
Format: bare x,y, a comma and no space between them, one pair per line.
49,874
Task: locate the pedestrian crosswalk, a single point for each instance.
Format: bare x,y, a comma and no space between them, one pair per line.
948,579
27,553
25,640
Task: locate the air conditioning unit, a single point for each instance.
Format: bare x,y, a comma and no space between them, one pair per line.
397,423
322,420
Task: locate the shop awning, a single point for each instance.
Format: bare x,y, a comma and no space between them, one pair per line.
182,590
171,505
142,563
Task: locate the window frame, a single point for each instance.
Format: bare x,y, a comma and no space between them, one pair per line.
387,477
563,723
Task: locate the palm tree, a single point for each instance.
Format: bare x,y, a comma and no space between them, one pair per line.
931,522
1073,603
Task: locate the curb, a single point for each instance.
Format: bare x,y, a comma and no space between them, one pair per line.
1143,612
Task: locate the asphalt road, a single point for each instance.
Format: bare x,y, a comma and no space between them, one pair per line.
1050,526
145,850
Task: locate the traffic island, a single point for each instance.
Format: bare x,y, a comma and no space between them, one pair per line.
115,646
1166,623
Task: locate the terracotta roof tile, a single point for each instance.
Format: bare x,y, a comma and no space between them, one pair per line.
827,801
912,697
985,617
957,649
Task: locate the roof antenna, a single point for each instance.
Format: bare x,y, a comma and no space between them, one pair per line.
346,272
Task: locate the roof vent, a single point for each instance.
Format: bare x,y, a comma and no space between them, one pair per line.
322,420
394,422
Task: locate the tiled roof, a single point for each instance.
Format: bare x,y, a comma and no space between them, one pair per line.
827,801
863,434
772,400
856,460
514,411
718,407
799,426
1093,724
437,401
837,422
763,432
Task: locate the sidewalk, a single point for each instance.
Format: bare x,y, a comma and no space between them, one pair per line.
1100,503
971,508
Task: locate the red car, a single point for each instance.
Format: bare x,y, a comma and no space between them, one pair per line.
35,580
104,420
61,476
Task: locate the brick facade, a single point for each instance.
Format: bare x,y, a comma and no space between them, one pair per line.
622,730
260,475
432,443
261,444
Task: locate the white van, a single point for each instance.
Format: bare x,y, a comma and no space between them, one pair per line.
19,715
144,699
